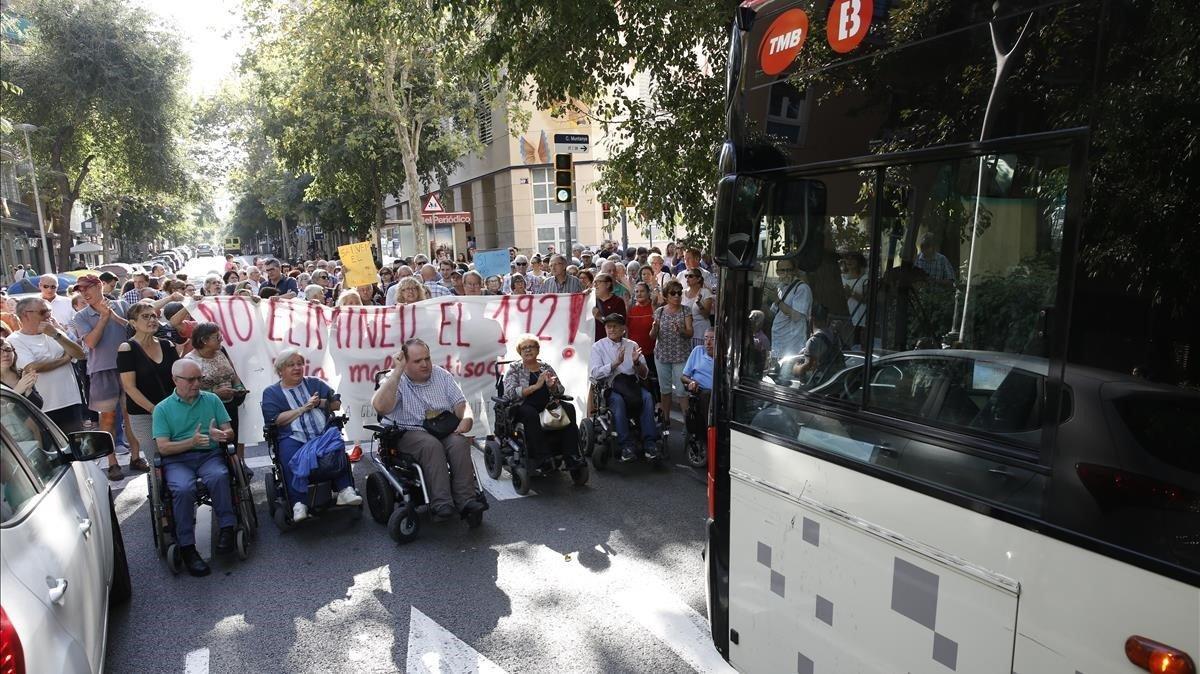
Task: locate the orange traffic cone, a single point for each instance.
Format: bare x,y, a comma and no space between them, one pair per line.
356,453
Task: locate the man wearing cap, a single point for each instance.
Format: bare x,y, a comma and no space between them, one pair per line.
620,362
585,260
101,326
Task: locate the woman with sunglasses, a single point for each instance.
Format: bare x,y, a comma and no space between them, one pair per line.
672,332
217,374
144,362
700,301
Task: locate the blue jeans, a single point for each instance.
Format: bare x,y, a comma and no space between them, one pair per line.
621,418
181,471
287,447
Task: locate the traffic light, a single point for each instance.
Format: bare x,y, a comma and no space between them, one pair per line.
564,178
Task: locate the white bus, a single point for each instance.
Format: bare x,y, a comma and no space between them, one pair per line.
956,425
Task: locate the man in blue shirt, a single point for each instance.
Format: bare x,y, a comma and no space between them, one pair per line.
286,285
189,426
698,379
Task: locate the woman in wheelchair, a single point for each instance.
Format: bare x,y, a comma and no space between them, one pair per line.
299,407
535,384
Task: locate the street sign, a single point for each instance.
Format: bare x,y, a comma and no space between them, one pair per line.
449,218
88,226
318,235
571,143
432,204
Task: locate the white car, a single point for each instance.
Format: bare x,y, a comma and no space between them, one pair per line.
62,559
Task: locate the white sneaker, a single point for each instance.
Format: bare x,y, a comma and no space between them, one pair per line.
348,496
299,512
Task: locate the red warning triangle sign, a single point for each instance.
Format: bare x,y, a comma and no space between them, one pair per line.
432,204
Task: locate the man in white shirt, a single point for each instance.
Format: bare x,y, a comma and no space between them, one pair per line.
620,363
41,346
691,260
60,305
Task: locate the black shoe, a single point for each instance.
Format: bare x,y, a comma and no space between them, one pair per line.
225,540
650,450
193,562
474,506
628,455
443,512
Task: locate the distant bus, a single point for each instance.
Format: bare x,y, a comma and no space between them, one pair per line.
233,245
955,418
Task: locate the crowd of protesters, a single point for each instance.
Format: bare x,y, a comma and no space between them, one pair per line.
101,355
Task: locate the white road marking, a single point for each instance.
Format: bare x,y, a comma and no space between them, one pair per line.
432,649
196,662
675,623
502,488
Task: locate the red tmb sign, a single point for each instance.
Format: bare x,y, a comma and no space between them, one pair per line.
783,41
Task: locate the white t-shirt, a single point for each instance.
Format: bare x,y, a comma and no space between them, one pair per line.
57,387
788,335
62,311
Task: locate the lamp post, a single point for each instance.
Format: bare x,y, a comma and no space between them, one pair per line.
48,268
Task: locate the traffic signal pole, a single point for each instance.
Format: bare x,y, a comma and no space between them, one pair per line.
567,231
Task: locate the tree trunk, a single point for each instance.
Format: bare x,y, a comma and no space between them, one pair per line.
412,183
283,236
64,234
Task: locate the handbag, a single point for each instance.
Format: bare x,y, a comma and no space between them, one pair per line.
554,417
441,425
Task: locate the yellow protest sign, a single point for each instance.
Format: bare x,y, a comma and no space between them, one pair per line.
358,267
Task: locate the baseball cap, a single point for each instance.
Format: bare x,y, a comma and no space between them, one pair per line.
87,280
614,318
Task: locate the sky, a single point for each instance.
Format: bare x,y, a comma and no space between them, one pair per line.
212,38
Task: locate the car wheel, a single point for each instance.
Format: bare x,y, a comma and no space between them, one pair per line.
380,498
121,588
403,525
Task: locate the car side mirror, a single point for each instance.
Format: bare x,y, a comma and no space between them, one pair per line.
90,445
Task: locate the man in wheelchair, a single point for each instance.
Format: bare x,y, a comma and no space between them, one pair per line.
698,380
188,426
426,401
617,366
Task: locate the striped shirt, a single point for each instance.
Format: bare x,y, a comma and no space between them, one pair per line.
415,401
438,290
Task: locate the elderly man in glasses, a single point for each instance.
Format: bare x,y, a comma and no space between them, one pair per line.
189,426
41,346
60,305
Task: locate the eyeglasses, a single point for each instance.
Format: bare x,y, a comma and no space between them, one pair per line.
46,286
190,380
151,315
7,349
673,293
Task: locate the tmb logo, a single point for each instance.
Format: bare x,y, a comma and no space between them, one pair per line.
848,23
782,41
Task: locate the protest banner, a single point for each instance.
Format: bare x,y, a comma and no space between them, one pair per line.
492,263
346,346
358,267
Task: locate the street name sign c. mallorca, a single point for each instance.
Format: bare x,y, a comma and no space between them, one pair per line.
432,204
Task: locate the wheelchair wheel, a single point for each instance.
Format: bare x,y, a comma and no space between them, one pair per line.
520,479
242,544
697,454
272,489
474,520
580,474
404,525
587,437
493,459
174,559
282,520
600,456
380,498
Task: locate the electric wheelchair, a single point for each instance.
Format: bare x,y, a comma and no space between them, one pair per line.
395,493
162,515
695,429
598,432
319,498
505,447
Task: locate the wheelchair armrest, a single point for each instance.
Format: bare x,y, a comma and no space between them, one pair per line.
566,399
374,428
499,401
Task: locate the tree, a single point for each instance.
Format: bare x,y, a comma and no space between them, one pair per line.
600,58
355,95
103,85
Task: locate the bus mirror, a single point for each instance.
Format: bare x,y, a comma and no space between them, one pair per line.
739,199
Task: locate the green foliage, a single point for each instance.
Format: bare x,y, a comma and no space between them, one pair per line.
104,86
591,54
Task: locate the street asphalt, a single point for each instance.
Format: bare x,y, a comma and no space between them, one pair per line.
602,578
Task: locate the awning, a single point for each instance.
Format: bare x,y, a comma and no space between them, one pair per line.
87,248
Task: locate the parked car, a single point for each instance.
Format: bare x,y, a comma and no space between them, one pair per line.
204,250
62,558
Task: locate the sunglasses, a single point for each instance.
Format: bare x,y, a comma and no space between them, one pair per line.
45,286
673,293
522,264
